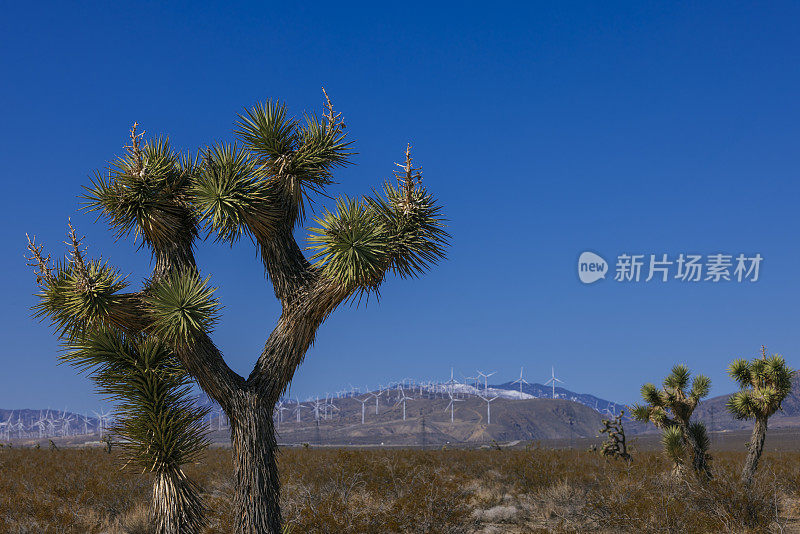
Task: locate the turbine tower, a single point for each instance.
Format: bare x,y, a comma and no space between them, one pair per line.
486,378
488,408
403,400
450,383
102,417
363,407
520,380
298,409
553,380
451,406
377,397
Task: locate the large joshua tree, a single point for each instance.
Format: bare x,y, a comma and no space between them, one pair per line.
260,189
764,383
670,409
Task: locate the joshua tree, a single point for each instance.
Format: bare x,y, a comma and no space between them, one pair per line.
261,190
615,446
671,409
764,383
156,416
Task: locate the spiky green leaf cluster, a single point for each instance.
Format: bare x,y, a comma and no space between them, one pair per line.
663,407
296,158
701,387
181,307
156,416
77,297
764,383
228,198
350,246
415,229
145,193
674,444
362,240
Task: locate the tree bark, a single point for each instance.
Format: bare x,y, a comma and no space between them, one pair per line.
257,489
755,448
698,454
176,506
698,458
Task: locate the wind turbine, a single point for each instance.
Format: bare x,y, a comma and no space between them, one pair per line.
333,408
220,414
20,426
486,379
325,406
102,416
6,425
316,409
451,406
377,396
363,407
298,409
51,424
403,400
488,408
520,380
65,424
553,380
450,383
467,382
41,424
281,409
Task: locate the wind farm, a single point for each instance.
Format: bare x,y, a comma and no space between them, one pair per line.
470,411
376,410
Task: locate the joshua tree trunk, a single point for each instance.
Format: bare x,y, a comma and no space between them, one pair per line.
698,454
698,458
755,448
257,497
176,507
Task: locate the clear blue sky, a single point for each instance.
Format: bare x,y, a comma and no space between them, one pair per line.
546,130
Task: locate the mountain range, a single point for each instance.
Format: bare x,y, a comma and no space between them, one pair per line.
517,414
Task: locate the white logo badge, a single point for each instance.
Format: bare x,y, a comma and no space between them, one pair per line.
591,267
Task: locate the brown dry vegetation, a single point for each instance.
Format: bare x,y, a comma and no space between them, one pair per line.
380,491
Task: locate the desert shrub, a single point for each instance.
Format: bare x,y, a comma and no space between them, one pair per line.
407,491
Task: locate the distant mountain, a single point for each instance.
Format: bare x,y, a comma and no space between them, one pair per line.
428,422
529,414
540,391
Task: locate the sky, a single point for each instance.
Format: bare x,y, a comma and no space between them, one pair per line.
545,130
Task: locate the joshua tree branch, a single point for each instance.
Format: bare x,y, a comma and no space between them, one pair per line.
293,335
205,363
288,269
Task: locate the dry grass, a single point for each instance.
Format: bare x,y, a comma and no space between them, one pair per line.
450,491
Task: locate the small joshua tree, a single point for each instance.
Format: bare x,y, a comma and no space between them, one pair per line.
615,445
764,383
670,409
261,190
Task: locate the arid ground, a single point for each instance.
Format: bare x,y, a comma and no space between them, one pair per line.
523,489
